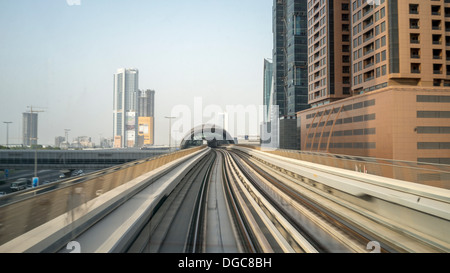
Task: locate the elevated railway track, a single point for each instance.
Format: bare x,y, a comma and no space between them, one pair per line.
231,199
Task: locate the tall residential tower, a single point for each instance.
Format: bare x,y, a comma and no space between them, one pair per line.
126,85
328,51
29,129
398,106
400,43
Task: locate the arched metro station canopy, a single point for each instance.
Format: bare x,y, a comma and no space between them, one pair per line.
210,134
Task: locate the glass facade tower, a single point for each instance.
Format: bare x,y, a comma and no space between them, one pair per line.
290,56
268,75
126,84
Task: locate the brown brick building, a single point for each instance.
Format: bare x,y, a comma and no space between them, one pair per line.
399,104
403,42
402,123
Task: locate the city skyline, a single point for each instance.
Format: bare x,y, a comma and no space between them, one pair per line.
66,55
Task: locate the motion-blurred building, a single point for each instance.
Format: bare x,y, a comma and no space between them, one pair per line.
29,129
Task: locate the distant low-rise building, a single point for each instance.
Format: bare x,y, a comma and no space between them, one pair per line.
59,140
85,142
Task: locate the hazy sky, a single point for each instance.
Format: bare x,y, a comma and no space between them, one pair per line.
62,58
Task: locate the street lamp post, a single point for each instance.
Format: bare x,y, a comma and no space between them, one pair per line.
170,132
35,181
7,131
67,137
35,178
35,158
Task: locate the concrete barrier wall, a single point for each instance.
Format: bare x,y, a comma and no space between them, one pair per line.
19,217
436,175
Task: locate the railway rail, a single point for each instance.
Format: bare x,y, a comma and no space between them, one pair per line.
355,226
272,212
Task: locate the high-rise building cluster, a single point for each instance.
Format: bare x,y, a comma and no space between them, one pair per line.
133,111
368,78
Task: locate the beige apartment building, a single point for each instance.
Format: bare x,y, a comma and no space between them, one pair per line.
399,103
329,49
400,42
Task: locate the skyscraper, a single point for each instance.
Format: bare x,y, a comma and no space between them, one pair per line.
400,78
400,43
290,67
146,103
29,129
290,56
146,117
126,85
328,51
358,46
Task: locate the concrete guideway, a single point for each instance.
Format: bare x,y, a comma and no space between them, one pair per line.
420,211
85,202
115,231
231,199
220,237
